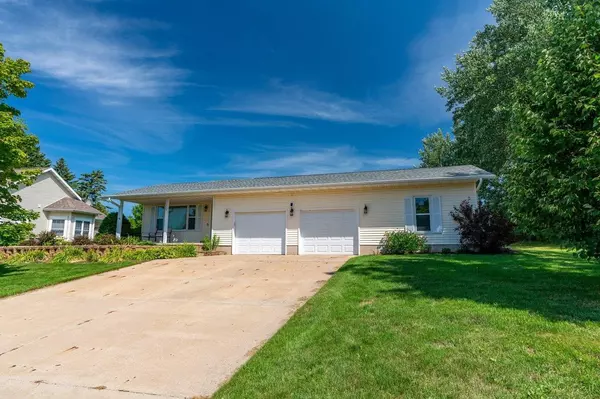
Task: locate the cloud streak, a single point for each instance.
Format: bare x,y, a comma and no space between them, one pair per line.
81,48
273,161
411,99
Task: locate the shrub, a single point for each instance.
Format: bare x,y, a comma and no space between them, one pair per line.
402,242
106,239
30,242
133,240
109,225
481,229
446,251
13,233
209,244
47,238
118,254
35,256
82,240
92,256
68,255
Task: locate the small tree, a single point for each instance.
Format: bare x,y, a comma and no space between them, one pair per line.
63,171
109,225
137,213
481,229
90,187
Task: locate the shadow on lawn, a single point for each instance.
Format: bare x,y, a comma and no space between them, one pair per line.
552,285
10,270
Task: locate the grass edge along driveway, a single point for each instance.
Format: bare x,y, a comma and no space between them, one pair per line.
452,326
19,278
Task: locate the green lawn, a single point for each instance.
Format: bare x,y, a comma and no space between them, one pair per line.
435,326
15,279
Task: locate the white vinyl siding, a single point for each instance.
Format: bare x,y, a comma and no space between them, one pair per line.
386,209
45,191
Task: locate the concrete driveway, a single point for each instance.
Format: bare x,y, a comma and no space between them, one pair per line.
168,328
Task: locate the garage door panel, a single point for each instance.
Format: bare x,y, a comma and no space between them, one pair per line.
260,233
328,232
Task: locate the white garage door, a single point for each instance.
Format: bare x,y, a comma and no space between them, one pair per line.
259,233
328,232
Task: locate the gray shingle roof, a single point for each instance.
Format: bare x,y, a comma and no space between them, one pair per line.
72,205
466,172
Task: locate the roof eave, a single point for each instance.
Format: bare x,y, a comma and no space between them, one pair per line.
304,186
72,210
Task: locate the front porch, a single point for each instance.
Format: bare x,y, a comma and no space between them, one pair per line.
173,220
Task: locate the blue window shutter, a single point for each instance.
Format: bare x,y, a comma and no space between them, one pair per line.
436,215
409,214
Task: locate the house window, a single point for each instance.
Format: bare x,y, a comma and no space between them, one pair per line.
180,217
82,228
423,215
192,218
58,227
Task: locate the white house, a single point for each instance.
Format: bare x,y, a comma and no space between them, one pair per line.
340,213
60,208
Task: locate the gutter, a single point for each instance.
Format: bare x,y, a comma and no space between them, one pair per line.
299,187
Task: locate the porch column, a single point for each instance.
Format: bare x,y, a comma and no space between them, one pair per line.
166,222
119,219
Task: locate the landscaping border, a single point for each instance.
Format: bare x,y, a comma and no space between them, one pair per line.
52,249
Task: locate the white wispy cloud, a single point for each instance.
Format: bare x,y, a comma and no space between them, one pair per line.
305,159
82,48
411,99
116,86
283,99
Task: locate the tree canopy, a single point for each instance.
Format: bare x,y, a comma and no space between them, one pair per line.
137,213
15,141
553,177
63,171
90,187
525,105
438,150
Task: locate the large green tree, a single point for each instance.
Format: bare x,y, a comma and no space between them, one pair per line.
481,90
525,102
438,150
90,187
63,171
15,143
36,158
553,177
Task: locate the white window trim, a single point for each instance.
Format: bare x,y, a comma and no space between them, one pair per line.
187,217
83,221
65,227
422,214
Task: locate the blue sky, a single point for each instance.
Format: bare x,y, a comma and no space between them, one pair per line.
153,92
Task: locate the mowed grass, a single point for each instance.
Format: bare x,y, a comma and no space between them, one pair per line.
439,326
16,279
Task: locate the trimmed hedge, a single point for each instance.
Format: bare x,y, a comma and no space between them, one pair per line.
70,254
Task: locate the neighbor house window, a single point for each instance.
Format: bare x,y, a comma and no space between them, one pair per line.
423,215
82,228
58,227
180,217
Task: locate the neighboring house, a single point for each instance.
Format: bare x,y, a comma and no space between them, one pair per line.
60,208
340,213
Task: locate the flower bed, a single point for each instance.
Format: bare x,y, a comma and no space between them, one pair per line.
96,253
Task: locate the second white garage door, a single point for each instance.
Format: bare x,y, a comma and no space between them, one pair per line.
328,232
259,233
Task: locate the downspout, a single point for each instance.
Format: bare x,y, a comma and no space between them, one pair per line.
479,183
